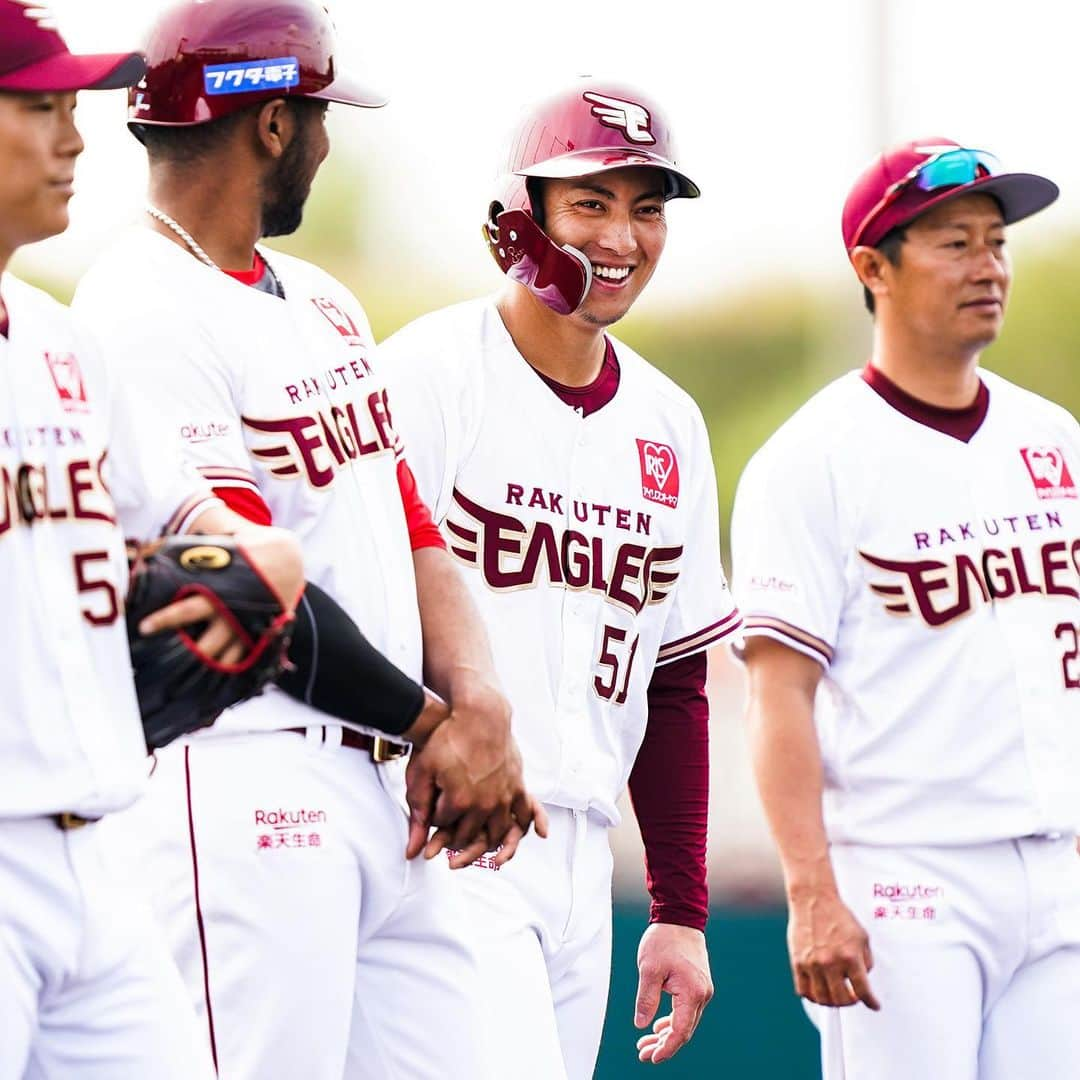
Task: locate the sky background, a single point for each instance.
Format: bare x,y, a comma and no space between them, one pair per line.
776,106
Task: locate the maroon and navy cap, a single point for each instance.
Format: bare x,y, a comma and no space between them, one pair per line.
870,214
35,59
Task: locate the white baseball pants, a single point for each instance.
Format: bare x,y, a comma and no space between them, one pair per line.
976,963
543,932
87,988
308,944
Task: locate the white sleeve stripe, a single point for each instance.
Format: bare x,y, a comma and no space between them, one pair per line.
187,512
773,626
220,472
675,650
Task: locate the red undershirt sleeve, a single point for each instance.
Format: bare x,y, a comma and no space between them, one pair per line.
423,532
669,788
247,503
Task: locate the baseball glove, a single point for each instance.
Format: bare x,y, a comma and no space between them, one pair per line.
180,689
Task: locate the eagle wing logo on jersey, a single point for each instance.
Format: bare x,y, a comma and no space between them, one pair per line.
630,117
659,472
1049,472
68,380
39,13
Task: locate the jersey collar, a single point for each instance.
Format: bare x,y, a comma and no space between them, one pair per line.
956,423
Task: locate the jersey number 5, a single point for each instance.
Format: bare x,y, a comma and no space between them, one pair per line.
610,659
92,579
1069,635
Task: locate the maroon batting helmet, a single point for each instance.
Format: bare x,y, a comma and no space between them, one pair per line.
588,128
209,58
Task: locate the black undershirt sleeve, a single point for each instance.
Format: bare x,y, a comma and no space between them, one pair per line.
339,672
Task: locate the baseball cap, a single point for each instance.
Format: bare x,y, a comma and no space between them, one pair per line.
907,180
35,59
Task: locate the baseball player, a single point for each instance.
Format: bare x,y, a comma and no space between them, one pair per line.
907,556
86,986
575,487
275,840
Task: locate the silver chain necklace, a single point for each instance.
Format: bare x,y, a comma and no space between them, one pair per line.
196,249
189,240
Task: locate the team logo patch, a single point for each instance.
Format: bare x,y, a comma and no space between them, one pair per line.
68,380
247,75
630,117
659,472
340,320
1049,472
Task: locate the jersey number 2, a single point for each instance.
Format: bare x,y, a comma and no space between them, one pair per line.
610,659
1070,662
94,580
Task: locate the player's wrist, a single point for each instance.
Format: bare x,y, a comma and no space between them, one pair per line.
434,712
810,879
477,696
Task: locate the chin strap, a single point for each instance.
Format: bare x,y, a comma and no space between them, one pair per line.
559,277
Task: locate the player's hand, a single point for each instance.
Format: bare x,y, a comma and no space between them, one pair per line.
466,780
275,553
829,951
672,959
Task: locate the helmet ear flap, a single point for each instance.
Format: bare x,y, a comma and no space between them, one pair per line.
559,277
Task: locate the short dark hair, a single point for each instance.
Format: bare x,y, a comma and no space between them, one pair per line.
189,143
889,246
535,189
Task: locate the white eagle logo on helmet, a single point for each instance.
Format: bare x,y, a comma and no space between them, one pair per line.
631,117
39,13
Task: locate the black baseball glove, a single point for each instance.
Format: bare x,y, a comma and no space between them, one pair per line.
181,689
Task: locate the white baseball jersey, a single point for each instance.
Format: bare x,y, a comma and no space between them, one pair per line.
279,397
72,740
591,545
937,582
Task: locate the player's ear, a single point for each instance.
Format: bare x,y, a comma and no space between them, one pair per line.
869,264
274,126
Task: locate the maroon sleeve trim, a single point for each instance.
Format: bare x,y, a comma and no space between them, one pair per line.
769,625
709,635
188,511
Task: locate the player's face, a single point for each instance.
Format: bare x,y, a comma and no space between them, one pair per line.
287,189
954,275
617,220
38,147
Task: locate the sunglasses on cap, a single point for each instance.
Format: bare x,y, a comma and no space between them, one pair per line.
950,167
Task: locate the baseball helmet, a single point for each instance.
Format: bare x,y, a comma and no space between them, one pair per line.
588,128
209,58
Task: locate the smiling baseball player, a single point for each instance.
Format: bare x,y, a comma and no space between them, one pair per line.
86,986
907,554
574,484
276,839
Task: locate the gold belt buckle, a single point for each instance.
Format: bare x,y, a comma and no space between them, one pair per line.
383,750
68,821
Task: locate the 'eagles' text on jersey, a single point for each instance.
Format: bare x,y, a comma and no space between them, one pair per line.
938,583
71,738
591,545
279,396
